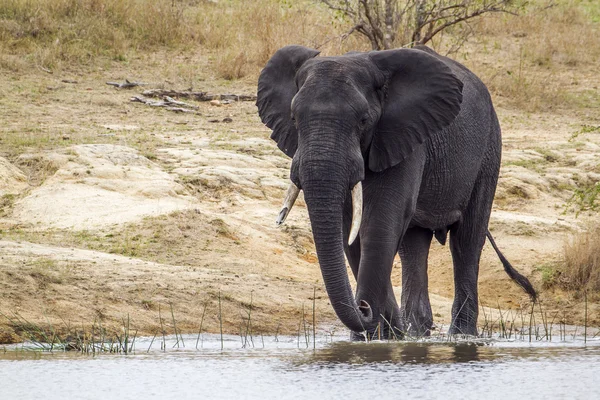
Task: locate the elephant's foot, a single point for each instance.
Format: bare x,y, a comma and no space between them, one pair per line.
378,334
389,327
418,318
419,326
462,327
357,337
464,318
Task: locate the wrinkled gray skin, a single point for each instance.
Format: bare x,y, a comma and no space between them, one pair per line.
420,132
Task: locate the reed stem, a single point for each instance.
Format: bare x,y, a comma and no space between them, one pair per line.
220,320
585,317
201,323
314,326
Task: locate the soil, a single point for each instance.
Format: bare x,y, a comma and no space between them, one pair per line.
115,211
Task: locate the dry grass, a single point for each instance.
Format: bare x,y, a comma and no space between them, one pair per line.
580,268
563,35
56,33
239,36
534,54
542,57
244,35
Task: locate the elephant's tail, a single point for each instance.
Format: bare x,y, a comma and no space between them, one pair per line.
513,273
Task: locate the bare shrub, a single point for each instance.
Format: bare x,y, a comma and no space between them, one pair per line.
580,269
393,23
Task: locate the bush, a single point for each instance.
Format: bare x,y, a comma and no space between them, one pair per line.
580,269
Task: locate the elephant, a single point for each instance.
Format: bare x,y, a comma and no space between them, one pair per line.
390,148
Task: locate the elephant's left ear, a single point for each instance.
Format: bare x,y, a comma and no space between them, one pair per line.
422,97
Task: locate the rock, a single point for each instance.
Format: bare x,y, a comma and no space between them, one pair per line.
516,187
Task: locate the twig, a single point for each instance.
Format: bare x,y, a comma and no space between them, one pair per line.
343,36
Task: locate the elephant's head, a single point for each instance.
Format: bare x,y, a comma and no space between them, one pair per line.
337,116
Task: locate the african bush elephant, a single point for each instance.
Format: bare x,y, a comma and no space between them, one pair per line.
390,148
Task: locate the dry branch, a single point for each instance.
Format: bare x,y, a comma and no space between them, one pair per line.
125,85
179,110
198,96
168,103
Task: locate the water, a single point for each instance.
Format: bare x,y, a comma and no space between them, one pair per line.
335,370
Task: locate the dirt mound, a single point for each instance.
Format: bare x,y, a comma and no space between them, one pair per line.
73,286
98,185
12,179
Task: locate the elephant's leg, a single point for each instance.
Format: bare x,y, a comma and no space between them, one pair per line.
375,287
415,306
392,321
466,242
379,244
467,238
387,211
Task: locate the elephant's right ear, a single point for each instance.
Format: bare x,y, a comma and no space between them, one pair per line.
276,89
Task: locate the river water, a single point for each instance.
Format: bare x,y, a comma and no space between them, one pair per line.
286,369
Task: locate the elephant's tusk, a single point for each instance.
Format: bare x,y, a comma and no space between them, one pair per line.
288,203
357,206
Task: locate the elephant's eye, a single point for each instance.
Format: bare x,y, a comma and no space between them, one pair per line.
364,120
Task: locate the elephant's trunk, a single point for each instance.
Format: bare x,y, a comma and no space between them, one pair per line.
325,196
